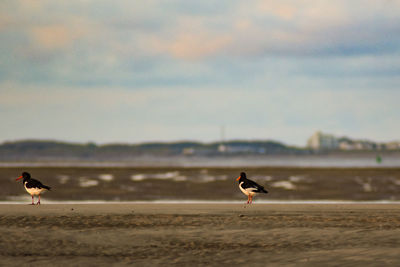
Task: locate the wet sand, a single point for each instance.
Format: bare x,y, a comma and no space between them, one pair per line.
200,234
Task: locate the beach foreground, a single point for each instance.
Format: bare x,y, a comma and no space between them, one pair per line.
200,234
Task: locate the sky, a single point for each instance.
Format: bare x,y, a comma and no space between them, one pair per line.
156,70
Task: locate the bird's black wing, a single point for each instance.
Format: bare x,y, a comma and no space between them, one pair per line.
251,184
32,183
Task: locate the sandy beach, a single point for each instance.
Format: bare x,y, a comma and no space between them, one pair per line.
200,234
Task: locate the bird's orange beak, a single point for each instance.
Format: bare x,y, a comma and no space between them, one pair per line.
237,179
19,178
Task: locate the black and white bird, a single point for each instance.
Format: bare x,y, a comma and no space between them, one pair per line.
32,186
249,187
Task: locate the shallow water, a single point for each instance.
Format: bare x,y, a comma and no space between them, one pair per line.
338,160
204,183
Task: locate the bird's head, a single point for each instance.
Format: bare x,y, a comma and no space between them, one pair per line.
24,175
241,177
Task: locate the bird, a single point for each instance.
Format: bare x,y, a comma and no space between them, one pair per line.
32,186
249,187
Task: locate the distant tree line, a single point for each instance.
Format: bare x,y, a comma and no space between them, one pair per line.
38,149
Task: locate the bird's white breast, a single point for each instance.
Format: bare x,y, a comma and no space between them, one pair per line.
247,191
34,191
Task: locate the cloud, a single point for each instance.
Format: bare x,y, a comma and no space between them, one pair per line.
252,29
281,9
264,65
51,37
196,46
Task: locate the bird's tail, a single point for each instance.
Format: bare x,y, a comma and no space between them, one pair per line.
46,187
264,191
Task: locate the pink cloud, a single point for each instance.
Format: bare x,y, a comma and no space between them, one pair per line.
54,36
195,46
280,9
51,36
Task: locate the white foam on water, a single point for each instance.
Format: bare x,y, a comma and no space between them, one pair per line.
180,178
295,178
395,181
86,182
205,178
365,185
138,177
222,177
284,184
204,171
176,176
262,178
63,179
106,177
167,175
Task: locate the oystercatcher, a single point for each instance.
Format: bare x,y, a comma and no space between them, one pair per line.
249,188
32,186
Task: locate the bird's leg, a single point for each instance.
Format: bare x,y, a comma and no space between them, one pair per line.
33,203
38,203
248,199
251,199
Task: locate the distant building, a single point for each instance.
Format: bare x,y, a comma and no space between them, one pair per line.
348,144
392,145
222,148
320,141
